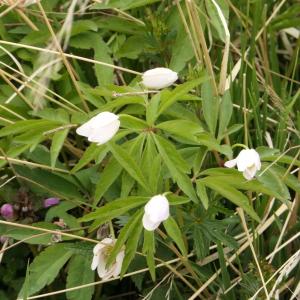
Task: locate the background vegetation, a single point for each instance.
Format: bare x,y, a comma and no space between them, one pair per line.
63,62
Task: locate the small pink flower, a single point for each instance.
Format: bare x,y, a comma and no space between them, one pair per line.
7,211
51,202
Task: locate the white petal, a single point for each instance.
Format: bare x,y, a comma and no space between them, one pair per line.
256,159
159,78
243,160
109,272
230,163
98,247
247,158
100,128
103,134
148,224
103,119
85,129
108,242
251,171
101,266
247,174
95,262
157,209
118,264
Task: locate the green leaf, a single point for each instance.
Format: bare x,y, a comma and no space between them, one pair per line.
225,275
211,143
114,208
50,182
153,106
80,273
104,74
26,283
201,192
80,26
131,122
57,143
14,151
151,164
178,93
93,152
270,178
176,200
149,250
132,242
225,113
215,18
27,234
236,179
45,267
129,164
231,194
290,180
182,50
169,153
124,4
176,165
175,234
124,235
182,128
26,126
210,105
108,176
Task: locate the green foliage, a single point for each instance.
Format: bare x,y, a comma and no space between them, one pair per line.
80,264
173,142
45,268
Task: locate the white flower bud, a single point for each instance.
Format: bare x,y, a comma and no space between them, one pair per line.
248,162
101,128
159,78
156,211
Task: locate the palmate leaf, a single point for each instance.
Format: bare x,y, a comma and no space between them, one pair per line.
80,273
45,267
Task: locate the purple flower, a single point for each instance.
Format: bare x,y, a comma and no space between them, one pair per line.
7,211
51,202
3,239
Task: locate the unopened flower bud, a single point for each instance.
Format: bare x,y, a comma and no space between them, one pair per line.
51,202
159,78
101,128
3,239
7,211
